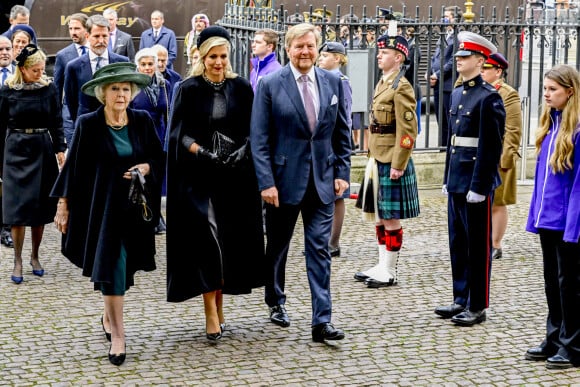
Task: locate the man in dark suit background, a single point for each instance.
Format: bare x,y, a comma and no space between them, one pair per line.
159,34
300,143
444,73
6,70
80,70
19,14
120,42
77,29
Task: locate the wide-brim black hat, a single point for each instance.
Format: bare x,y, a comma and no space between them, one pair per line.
210,32
113,73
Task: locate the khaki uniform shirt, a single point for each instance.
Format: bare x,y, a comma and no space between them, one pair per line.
513,124
393,107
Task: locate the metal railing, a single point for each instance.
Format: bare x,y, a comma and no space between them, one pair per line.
532,39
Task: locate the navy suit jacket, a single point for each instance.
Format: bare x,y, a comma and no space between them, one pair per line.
284,148
166,38
124,45
77,73
63,57
444,73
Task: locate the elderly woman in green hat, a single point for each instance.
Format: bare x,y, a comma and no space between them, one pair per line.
115,153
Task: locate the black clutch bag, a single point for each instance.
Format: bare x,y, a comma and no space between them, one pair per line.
223,146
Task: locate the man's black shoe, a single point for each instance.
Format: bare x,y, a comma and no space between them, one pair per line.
326,331
449,311
279,316
6,238
559,362
537,354
468,318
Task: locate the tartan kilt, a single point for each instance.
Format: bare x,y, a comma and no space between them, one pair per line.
397,199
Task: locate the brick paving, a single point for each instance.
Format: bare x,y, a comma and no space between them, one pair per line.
50,332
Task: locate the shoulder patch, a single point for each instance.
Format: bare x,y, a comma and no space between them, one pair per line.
406,142
408,116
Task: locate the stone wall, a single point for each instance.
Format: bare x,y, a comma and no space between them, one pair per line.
429,166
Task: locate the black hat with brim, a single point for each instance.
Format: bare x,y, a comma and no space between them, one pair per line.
114,73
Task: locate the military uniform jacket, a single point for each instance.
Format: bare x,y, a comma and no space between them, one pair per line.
476,112
513,124
393,107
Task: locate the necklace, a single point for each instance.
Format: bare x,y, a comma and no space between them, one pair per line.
214,84
123,122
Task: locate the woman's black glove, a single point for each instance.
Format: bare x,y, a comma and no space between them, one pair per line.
237,156
204,154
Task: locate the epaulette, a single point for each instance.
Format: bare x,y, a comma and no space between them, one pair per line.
343,77
489,87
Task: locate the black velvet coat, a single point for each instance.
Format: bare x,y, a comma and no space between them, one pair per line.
196,262
100,217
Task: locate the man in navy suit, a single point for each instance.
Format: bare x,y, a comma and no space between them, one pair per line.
444,73
300,144
77,30
6,70
159,34
80,70
120,42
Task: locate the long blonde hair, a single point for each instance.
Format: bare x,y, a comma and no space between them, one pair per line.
214,41
16,80
569,78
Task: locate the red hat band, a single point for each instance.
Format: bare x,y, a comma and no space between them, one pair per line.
471,46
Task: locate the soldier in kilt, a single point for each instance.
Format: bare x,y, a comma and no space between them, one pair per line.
389,191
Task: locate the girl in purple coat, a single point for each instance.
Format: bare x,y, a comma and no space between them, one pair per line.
555,216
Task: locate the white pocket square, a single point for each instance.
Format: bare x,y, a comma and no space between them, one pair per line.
334,100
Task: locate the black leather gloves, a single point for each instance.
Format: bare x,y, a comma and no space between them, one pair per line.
237,156
204,154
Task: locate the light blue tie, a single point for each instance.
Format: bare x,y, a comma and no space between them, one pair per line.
98,65
4,75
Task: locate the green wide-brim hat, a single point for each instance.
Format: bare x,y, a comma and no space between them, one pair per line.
113,73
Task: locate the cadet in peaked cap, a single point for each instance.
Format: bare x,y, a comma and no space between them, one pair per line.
471,43
496,60
476,129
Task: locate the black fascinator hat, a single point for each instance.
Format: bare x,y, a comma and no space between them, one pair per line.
25,53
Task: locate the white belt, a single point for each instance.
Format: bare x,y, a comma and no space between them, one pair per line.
464,141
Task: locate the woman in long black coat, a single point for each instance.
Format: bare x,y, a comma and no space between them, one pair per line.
31,133
103,232
215,241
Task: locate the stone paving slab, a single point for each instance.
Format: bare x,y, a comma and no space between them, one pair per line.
50,332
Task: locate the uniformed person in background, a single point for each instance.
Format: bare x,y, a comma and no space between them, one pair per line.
494,73
332,57
393,194
476,127
321,18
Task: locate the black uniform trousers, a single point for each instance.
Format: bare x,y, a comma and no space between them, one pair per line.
470,248
562,285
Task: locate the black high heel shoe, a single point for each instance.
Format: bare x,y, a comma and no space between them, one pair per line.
213,337
107,334
117,359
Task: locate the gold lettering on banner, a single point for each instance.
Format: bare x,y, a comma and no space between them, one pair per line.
102,6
